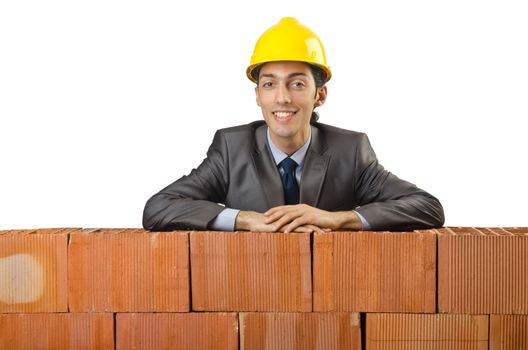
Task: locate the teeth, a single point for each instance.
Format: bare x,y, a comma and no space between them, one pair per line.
283,114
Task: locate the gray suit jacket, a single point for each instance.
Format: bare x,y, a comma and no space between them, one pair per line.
341,172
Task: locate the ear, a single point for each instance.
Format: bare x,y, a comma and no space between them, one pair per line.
257,96
320,96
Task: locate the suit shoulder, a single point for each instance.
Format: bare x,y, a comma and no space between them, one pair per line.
239,137
334,133
239,130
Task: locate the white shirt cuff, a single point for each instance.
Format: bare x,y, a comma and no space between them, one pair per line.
225,221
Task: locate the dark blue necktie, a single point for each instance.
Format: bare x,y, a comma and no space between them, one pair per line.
289,183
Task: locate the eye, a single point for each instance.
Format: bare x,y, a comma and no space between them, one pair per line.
267,84
298,84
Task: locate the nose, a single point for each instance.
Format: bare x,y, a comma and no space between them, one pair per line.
283,94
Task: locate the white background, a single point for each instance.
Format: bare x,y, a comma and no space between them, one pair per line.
103,103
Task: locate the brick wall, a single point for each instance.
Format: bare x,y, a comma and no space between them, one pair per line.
130,289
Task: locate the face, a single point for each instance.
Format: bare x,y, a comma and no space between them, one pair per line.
287,95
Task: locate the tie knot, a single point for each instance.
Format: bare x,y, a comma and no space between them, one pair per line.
288,165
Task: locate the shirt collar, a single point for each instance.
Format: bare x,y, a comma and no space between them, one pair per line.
298,156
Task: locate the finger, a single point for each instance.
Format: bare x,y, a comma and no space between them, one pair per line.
320,229
286,220
271,211
274,216
277,213
303,229
284,208
276,209
315,228
300,228
299,221
285,216
308,228
272,228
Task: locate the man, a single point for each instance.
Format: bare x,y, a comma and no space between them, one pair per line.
289,172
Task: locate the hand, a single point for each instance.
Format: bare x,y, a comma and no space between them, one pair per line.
292,217
256,222
252,221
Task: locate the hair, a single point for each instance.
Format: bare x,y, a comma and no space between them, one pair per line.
319,79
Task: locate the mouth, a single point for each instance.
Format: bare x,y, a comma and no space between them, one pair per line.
284,116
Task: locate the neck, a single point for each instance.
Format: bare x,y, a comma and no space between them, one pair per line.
290,145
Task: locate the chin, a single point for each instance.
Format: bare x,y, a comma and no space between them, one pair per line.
281,131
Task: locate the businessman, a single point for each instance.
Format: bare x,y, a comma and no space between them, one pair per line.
288,172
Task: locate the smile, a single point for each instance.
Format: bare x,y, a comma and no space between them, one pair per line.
283,115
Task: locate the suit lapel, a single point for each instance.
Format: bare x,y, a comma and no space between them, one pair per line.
314,170
267,173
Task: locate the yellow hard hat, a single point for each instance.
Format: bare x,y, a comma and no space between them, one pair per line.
289,41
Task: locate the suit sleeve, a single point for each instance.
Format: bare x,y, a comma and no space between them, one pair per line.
191,202
390,203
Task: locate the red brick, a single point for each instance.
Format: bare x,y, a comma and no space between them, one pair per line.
57,331
508,332
375,271
128,270
422,331
176,331
238,271
483,270
33,270
300,331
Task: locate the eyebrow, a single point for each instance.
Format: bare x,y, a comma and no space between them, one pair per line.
291,75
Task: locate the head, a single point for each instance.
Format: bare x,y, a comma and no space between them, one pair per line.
291,59
287,93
